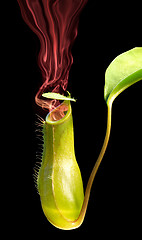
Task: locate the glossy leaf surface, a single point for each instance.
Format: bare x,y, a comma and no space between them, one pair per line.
57,96
124,70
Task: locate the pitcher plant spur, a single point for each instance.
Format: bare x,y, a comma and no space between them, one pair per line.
58,177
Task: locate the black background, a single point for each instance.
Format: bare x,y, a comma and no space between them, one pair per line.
105,31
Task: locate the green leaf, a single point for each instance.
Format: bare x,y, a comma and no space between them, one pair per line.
57,96
124,70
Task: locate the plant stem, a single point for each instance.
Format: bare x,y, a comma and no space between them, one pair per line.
96,166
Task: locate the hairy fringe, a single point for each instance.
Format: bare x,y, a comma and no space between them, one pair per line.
39,135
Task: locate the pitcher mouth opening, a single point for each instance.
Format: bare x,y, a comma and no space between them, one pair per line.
59,114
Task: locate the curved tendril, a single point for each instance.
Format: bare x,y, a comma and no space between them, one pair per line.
96,166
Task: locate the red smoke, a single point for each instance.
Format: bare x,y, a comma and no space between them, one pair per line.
55,22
